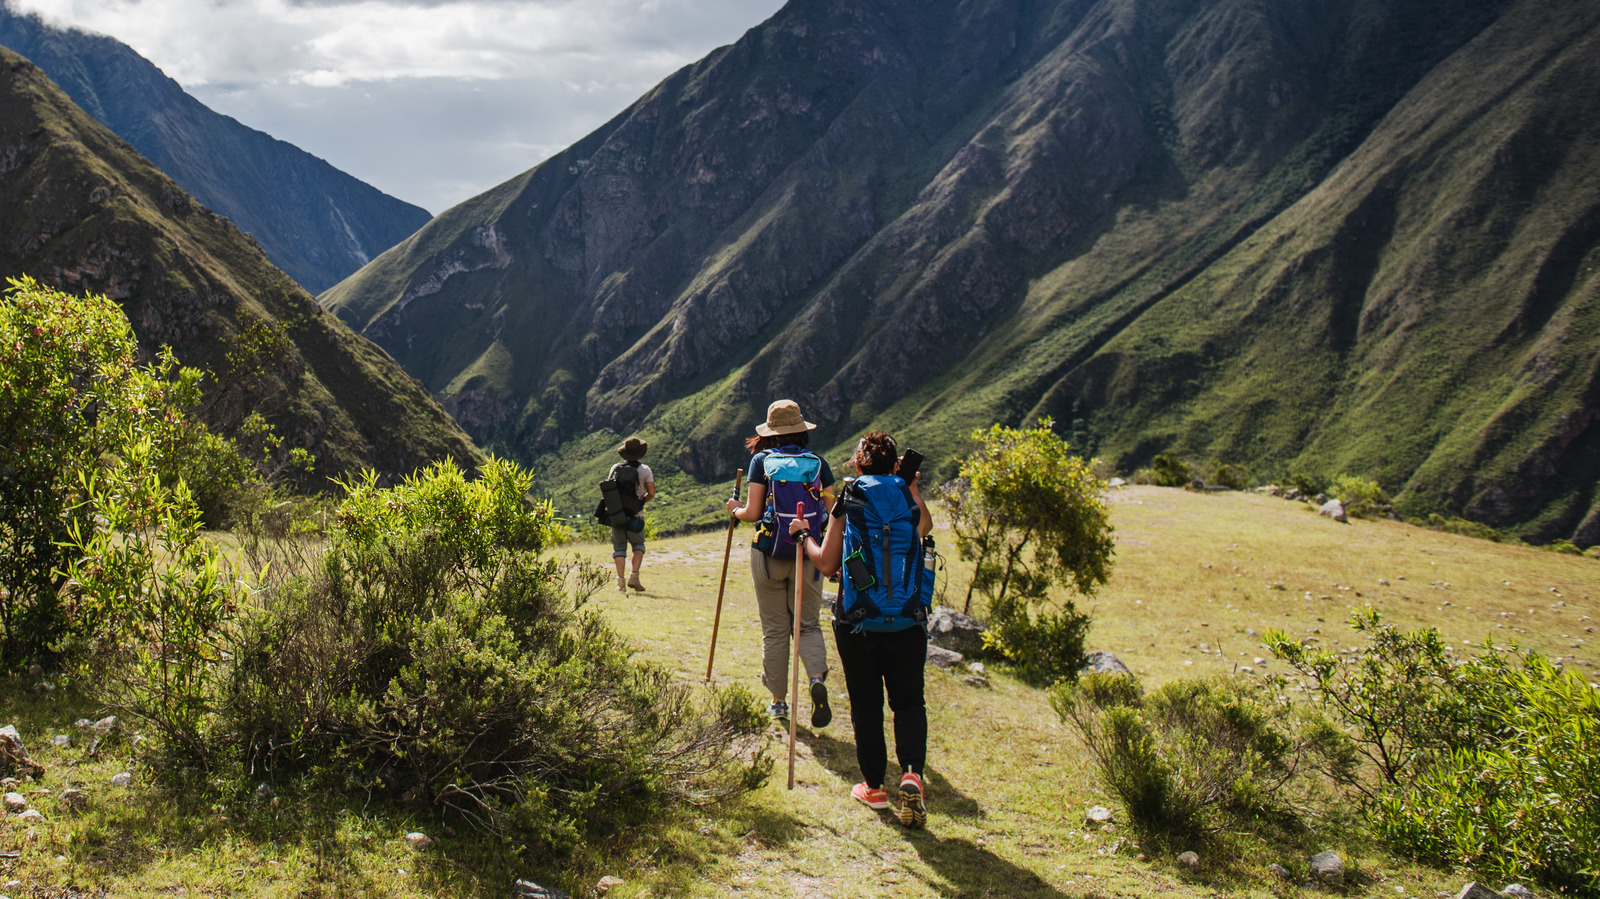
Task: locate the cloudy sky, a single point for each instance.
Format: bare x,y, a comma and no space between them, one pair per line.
432,101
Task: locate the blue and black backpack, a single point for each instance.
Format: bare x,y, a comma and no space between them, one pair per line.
888,574
794,477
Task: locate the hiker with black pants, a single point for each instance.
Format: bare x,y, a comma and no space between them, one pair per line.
780,443
879,661
644,487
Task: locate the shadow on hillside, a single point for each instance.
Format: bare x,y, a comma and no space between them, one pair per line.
839,757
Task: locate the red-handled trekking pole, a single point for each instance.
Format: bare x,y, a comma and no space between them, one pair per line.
727,551
794,668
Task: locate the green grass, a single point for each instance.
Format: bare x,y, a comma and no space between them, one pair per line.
1008,786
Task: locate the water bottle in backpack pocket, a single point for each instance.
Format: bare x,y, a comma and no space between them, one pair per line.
888,582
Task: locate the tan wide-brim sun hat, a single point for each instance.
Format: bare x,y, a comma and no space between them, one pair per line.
783,417
633,449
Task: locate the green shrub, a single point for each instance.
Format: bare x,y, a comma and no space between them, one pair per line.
1170,471
1463,527
1490,763
1195,757
1524,805
1032,517
434,654
1362,497
1565,547
1233,477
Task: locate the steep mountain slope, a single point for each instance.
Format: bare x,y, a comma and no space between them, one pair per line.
84,212
315,222
1144,217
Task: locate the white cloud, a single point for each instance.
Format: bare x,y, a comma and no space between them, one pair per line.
429,101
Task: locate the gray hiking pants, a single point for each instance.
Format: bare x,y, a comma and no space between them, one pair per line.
774,583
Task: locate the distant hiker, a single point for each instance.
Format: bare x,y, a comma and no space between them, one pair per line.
627,487
880,616
783,474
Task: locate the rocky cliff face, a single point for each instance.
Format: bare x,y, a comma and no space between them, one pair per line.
1212,227
85,213
315,222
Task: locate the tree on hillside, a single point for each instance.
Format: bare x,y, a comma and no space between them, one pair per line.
1031,516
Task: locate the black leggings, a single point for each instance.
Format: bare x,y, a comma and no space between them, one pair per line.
874,662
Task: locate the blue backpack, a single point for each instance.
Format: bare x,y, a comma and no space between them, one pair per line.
794,477
888,578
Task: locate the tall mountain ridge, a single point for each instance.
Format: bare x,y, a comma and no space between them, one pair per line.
1302,236
84,213
315,222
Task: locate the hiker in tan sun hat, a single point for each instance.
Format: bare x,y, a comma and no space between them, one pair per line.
627,487
783,474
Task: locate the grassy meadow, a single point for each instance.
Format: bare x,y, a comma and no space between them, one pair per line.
1197,578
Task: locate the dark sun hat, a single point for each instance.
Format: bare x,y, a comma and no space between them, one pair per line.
783,417
633,449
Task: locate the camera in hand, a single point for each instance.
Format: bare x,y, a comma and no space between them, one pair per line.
909,464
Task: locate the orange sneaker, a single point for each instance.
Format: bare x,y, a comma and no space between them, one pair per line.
872,797
913,808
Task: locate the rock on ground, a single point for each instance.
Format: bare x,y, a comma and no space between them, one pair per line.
942,658
1475,890
122,780
1279,871
1097,816
1328,868
1518,891
1335,510
14,756
527,889
1102,662
1189,861
954,631
73,800
15,803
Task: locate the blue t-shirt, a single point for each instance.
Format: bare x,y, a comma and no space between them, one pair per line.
758,469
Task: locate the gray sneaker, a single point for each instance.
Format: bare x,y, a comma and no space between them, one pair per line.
779,710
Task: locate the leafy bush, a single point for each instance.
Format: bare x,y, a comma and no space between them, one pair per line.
1463,527
1195,756
1565,547
1488,763
1522,806
1170,471
1031,516
432,654
1362,497
1233,477
72,398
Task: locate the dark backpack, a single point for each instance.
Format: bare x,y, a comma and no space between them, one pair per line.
794,477
888,578
619,495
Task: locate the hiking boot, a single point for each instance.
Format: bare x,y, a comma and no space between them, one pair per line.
872,797
820,713
633,581
913,811
779,710
622,585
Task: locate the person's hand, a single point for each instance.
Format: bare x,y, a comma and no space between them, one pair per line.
916,483
796,525
733,505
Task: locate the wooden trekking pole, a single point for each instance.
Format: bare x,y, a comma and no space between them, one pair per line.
726,552
794,669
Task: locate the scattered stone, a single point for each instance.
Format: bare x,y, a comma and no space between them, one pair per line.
954,631
106,725
1335,510
1383,582
1103,662
14,756
1280,872
83,724
976,681
1475,890
527,889
1097,816
1328,868
122,780
61,741
1518,891
73,800
12,885
1116,482
15,803
977,668
41,688
940,657
607,882
418,841
9,784
30,816
1189,861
